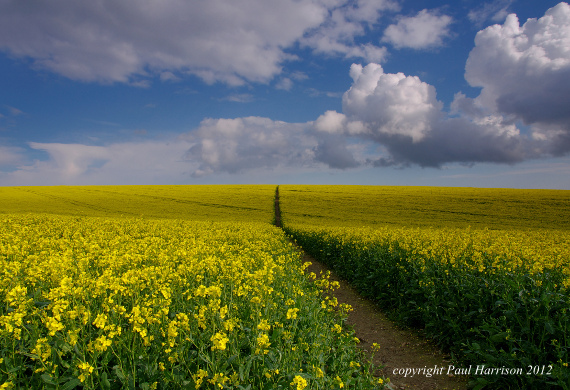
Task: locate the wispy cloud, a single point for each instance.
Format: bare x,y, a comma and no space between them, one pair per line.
239,98
495,11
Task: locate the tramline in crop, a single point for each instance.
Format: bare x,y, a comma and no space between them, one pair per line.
497,297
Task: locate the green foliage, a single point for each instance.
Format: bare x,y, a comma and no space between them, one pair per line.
496,314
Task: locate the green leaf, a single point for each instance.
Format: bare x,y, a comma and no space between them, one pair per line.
48,379
71,384
499,337
105,384
120,374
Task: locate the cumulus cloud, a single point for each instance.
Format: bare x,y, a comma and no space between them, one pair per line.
236,145
403,114
425,30
387,119
524,73
331,122
391,103
392,112
243,144
218,40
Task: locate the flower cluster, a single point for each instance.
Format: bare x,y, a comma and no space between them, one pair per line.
101,302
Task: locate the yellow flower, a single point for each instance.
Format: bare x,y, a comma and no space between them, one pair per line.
262,343
263,325
199,377
292,313
86,369
102,343
219,379
100,321
54,325
339,381
219,340
299,382
318,372
42,349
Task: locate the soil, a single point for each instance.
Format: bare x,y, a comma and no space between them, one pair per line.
399,348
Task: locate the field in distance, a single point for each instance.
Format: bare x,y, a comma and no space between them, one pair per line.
345,205
252,203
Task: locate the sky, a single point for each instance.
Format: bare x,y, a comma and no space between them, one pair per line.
372,92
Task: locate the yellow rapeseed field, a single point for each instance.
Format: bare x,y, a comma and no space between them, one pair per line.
491,208
206,203
163,302
484,272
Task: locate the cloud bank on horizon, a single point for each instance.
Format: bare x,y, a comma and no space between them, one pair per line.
387,119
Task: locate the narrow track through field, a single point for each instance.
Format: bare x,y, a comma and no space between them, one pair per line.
399,348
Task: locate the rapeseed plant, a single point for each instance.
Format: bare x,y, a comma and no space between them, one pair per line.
496,294
159,303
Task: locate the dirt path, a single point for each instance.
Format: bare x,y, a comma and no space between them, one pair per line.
399,348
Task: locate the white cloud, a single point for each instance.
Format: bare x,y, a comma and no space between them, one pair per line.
285,84
121,163
245,144
218,40
331,122
391,103
395,113
240,98
14,111
524,72
425,30
495,11
110,41
336,35
10,155
240,144
401,115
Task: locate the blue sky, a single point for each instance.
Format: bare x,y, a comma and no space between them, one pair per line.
382,92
